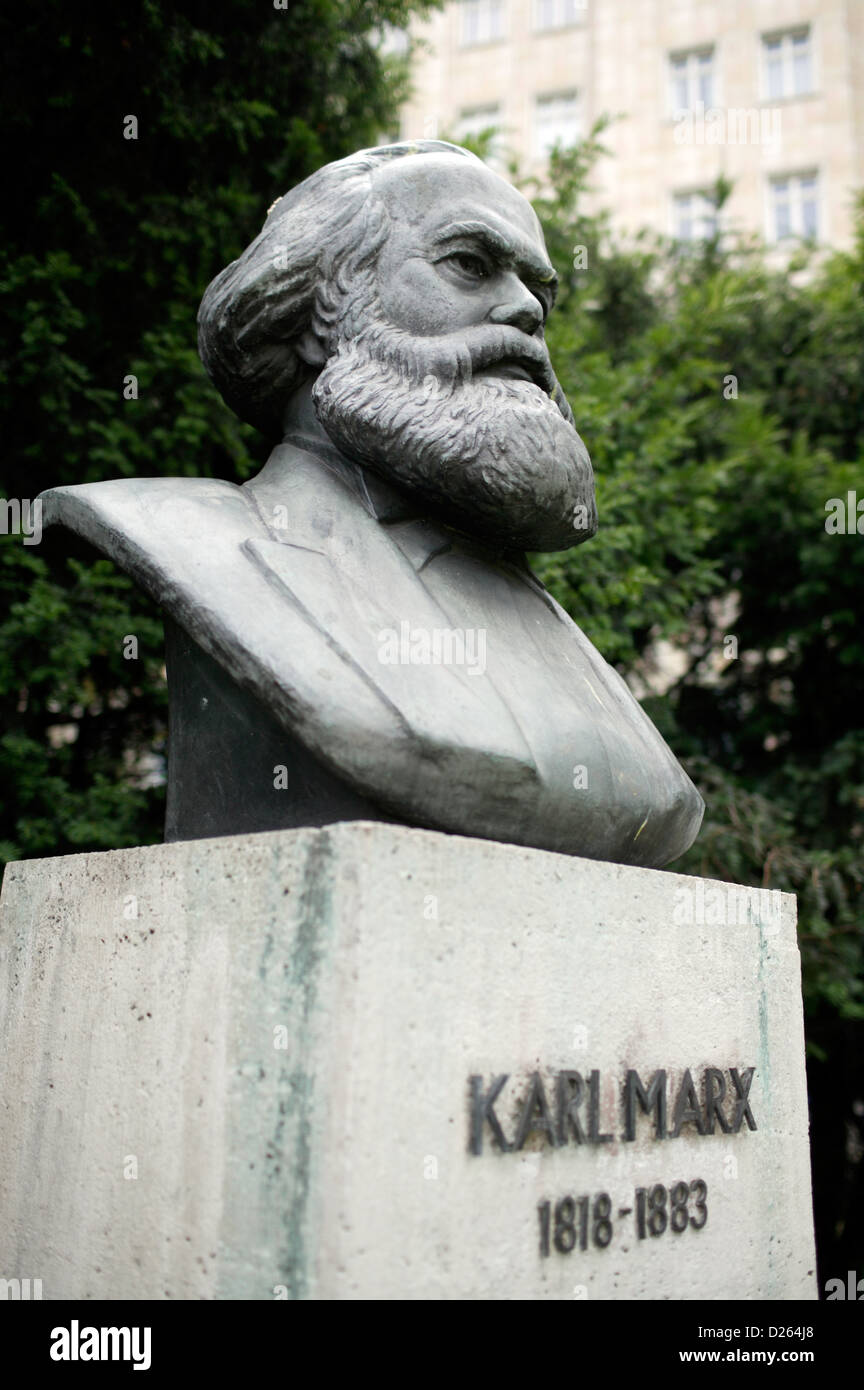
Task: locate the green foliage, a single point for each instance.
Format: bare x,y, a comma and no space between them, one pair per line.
712,498
106,248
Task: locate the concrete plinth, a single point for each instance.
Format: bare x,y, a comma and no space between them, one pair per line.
271,1066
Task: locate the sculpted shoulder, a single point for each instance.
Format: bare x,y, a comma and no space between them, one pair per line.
148,524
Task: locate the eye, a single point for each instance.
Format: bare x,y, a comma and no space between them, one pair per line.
469,264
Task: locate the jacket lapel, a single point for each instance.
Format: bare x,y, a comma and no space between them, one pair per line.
343,570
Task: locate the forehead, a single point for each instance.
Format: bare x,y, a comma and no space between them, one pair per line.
428,193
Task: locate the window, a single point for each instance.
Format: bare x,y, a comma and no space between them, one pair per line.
556,121
794,206
787,61
482,21
694,216
473,121
558,14
691,79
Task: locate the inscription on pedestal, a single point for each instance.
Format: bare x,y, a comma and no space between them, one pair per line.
565,1110
577,1098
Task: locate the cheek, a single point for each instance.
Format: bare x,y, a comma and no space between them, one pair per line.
416,299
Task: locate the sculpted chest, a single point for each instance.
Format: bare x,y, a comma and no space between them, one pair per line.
387,673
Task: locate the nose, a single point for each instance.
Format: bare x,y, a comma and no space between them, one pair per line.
518,307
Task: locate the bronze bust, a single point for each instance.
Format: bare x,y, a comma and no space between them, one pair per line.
355,632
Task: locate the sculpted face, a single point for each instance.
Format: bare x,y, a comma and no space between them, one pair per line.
438,375
465,248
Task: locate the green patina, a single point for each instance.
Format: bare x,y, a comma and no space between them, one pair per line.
297,1083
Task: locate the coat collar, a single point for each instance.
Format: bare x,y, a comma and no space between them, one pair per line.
313,479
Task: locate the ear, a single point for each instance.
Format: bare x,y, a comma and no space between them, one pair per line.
309,349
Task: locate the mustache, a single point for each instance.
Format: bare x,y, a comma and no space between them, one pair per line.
453,359
488,455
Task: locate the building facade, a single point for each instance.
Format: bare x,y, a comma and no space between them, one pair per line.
768,93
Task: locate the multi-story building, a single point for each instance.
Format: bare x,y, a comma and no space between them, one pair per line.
768,93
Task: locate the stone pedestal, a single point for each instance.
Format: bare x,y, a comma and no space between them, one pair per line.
374,1062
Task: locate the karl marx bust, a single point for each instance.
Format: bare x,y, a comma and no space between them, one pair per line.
355,633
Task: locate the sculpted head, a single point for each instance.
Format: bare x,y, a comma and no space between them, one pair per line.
408,287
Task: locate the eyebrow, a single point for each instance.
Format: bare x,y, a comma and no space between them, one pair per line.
498,246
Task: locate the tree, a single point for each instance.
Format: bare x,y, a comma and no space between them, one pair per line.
722,403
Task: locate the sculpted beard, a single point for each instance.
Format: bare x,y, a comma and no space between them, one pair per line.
495,457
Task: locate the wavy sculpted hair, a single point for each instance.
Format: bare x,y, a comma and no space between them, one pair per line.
318,241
